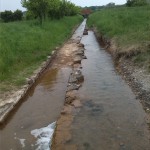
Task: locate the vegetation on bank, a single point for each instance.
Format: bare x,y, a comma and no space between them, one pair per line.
129,27
24,45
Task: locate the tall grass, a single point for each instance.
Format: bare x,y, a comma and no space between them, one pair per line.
128,27
24,45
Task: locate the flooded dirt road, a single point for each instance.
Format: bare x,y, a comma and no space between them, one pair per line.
110,118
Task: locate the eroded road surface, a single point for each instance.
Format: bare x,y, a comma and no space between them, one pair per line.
110,118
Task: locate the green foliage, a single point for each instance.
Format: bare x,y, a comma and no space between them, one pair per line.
36,7
8,16
128,26
24,45
54,9
131,3
17,15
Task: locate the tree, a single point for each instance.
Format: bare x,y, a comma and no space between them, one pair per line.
131,3
17,15
110,4
54,9
38,7
7,16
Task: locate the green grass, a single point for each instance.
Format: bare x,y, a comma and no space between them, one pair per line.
24,45
128,27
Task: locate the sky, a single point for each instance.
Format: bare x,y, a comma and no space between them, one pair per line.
15,4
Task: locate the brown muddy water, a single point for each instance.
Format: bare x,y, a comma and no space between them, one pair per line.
41,107
111,118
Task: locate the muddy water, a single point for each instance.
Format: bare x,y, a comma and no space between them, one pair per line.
43,103
41,107
110,118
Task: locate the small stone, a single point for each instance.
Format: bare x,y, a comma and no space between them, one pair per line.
56,48
29,81
84,57
53,52
76,103
73,87
49,57
81,45
85,33
77,60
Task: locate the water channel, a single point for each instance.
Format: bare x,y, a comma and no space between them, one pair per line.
110,118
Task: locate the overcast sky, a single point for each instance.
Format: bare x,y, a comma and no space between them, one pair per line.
15,4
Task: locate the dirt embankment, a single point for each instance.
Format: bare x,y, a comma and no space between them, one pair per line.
137,77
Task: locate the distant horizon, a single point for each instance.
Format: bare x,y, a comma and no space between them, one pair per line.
16,4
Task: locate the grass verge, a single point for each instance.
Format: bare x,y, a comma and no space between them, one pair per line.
129,28
24,45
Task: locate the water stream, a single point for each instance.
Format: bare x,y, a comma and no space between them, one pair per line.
111,118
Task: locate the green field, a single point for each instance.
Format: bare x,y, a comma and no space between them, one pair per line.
129,27
24,45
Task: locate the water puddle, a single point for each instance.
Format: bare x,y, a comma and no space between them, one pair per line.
110,118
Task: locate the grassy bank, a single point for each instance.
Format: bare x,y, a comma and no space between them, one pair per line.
129,28
24,45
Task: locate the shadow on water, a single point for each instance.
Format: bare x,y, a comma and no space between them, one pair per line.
111,118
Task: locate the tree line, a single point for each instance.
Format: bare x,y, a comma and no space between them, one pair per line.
41,9
133,3
54,9
8,16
